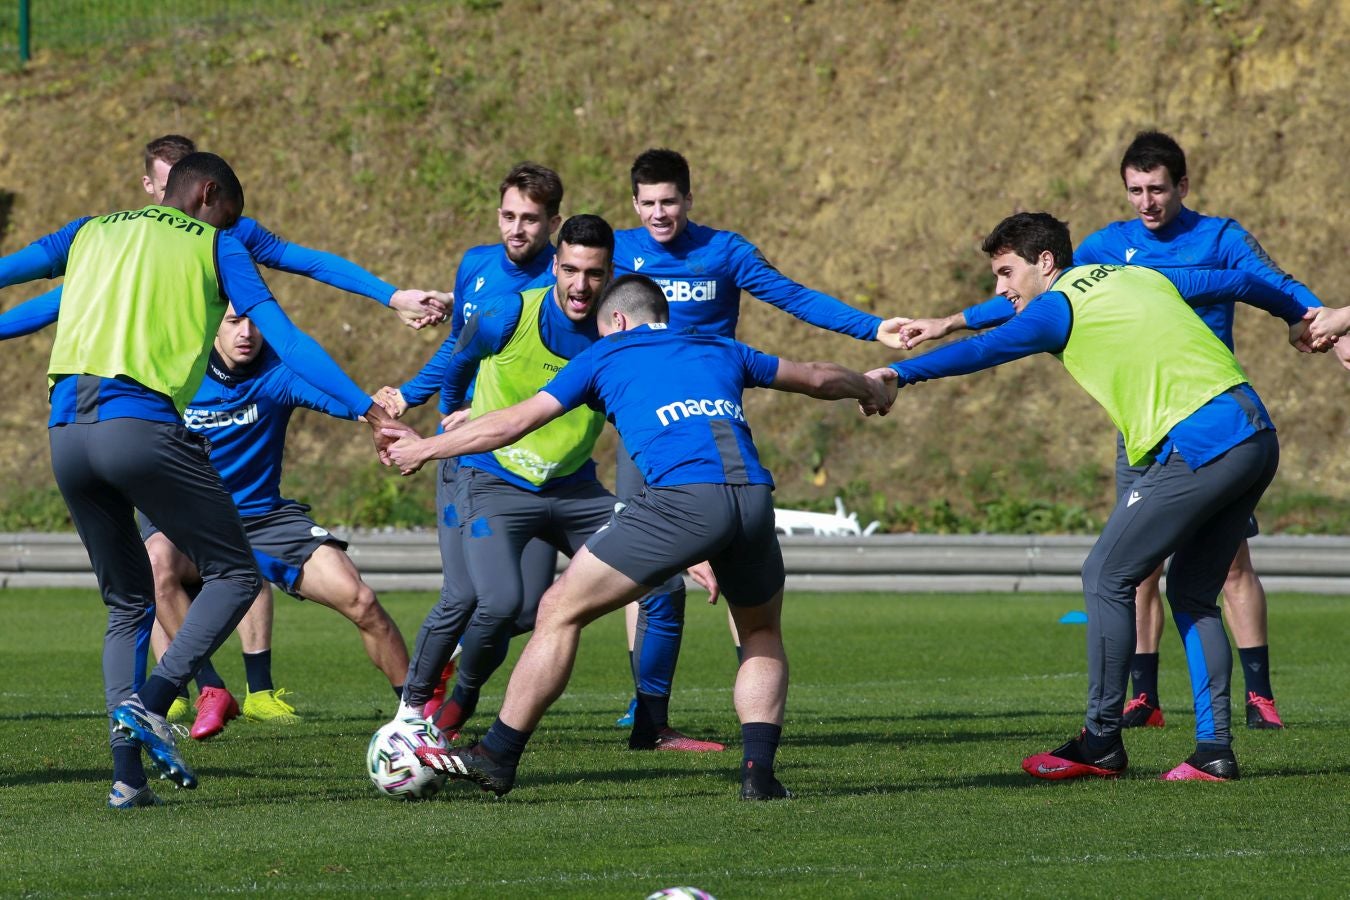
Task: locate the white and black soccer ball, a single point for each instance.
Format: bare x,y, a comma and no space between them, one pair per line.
681,893
392,764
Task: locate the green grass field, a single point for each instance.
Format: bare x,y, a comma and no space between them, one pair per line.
907,718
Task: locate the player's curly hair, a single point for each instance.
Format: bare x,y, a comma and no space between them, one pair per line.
197,167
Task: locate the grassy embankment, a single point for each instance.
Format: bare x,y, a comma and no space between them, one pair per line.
865,147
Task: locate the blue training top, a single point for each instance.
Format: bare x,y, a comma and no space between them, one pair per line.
1044,325
269,250
686,430
1190,241
244,413
124,398
485,334
483,273
704,270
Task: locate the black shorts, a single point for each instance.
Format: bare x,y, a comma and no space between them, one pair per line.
663,530
282,540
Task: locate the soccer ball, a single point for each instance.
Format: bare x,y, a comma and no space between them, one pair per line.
394,769
682,893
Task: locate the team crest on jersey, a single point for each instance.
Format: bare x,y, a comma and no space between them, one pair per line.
638,263
1129,254
478,285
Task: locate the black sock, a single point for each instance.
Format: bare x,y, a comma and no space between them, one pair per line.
740,654
258,671
760,742
630,667
207,676
504,744
1256,670
157,694
398,692
183,692
127,766
1144,674
651,715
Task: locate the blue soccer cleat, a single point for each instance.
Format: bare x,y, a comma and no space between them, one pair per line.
155,734
626,720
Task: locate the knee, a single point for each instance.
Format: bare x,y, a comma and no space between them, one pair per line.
365,609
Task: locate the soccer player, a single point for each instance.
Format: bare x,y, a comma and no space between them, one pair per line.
417,308
1167,235
702,271
707,497
243,408
1186,413
530,197
145,291
542,487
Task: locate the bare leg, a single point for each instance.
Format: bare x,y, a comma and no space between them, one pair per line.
255,629
1148,614
172,571
330,578
762,680
630,620
1244,601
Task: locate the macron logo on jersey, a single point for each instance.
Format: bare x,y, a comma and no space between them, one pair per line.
638,263
681,291
1129,254
478,285
202,419
683,409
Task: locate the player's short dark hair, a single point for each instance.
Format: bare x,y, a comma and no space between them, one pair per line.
637,297
170,148
1030,234
540,183
1151,149
198,167
660,166
587,231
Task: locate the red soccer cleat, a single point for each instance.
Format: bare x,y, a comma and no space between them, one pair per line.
215,707
439,694
1070,760
1261,712
1139,713
670,739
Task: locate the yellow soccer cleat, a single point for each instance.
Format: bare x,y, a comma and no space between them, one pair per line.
267,706
179,709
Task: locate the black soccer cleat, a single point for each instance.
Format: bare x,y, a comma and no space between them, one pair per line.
471,764
1072,760
1213,765
760,784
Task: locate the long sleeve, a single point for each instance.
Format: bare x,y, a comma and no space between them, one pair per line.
32,316
1043,327
756,275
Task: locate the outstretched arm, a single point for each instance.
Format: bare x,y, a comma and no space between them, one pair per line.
32,316
828,381
487,432
417,308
